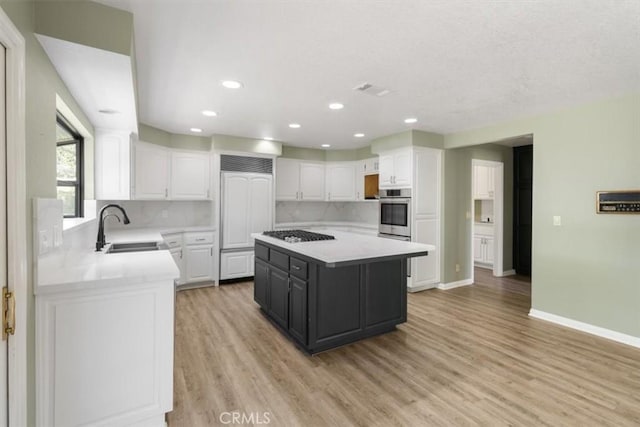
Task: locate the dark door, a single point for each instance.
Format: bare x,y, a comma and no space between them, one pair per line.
279,296
522,206
298,309
261,283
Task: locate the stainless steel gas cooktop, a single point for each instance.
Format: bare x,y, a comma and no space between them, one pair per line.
295,236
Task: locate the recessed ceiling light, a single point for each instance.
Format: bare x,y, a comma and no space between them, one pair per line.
196,130
209,113
410,120
326,145
358,135
232,84
336,106
268,138
294,125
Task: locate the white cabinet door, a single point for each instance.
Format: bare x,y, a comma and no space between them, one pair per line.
483,182
386,171
478,249
402,168
360,174
341,181
260,215
189,176
199,263
287,179
151,172
236,209
234,265
312,181
112,165
247,207
371,166
426,269
105,356
488,247
426,200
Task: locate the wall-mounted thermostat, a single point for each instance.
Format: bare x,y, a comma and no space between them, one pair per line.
618,202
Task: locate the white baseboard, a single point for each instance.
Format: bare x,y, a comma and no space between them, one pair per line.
508,273
586,327
421,287
451,285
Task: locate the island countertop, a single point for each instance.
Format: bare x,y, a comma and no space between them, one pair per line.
350,248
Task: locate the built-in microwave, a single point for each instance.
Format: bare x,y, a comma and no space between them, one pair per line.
395,212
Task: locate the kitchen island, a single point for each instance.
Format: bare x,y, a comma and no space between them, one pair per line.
324,294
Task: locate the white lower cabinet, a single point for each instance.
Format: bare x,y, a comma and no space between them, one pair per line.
483,249
234,265
199,263
105,356
193,253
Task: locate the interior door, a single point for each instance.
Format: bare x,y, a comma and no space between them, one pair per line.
3,234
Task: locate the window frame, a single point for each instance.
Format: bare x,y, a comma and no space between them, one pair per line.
78,184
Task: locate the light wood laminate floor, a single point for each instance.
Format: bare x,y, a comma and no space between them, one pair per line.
467,356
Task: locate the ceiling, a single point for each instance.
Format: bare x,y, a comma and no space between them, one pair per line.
454,65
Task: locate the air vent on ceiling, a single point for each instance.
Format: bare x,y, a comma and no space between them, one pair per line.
372,90
245,164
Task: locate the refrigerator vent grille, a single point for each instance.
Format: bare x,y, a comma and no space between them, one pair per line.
245,164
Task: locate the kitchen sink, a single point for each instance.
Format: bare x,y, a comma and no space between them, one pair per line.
118,248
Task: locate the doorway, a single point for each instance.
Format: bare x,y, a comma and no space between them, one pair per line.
13,217
487,194
522,208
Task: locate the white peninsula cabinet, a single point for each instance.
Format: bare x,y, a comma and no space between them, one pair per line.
300,180
104,356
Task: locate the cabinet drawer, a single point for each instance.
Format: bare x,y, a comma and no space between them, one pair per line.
298,268
262,252
173,240
198,238
279,259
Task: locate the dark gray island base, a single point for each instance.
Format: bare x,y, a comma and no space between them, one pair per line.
324,307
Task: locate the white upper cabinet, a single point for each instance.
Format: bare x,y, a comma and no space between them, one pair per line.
151,165
312,181
297,180
164,174
341,181
483,182
396,169
371,166
112,164
190,176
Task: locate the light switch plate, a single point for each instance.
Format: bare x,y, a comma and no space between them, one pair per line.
557,220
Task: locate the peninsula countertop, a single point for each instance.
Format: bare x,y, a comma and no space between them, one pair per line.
84,268
350,248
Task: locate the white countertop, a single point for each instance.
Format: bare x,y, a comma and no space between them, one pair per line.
349,247
65,270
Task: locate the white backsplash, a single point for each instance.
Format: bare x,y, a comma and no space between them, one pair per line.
162,214
359,212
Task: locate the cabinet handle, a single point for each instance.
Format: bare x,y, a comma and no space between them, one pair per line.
200,239
329,195
358,195
295,267
208,197
180,253
211,250
301,195
297,192
166,192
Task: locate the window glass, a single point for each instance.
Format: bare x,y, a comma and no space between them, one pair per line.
67,162
69,168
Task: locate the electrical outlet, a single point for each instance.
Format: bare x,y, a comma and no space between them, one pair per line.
457,268
557,220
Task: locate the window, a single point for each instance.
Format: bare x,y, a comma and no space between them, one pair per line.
69,155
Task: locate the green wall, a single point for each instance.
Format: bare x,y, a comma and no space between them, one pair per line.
247,145
42,85
315,154
588,268
153,135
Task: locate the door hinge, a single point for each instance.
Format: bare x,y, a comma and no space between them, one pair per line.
8,313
